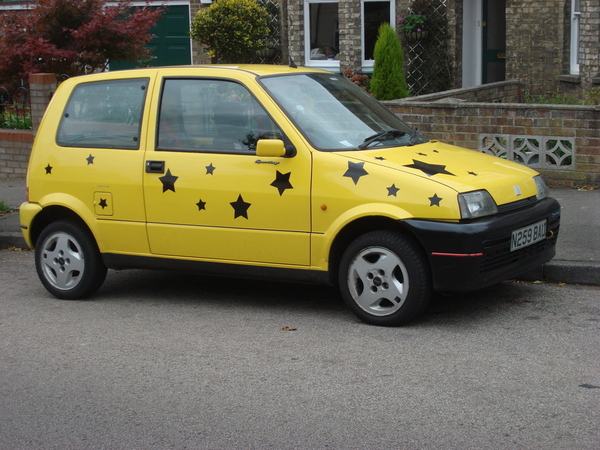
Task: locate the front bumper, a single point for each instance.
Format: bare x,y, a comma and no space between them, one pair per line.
472,255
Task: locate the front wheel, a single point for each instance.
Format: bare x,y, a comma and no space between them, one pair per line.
385,279
68,262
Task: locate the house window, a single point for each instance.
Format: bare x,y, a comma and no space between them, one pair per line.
575,15
374,13
322,37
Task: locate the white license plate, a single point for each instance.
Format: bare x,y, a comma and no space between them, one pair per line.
528,235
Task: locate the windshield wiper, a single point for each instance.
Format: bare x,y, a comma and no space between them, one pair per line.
380,137
415,137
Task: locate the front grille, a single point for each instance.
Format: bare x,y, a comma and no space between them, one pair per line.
517,205
497,253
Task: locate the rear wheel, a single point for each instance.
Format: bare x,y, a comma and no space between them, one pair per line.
68,262
385,279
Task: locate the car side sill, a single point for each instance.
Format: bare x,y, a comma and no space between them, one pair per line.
119,262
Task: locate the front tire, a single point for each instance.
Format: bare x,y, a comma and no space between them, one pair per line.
68,262
385,279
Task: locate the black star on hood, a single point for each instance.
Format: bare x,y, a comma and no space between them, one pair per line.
210,169
435,200
393,190
201,205
240,207
429,169
380,158
355,171
48,169
473,173
282,182
103,203
168,181
90,159
422,154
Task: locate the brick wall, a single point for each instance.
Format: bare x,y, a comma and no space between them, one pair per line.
463,123
15,145
15,148
538,38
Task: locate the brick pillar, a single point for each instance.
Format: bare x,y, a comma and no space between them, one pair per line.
349,14
41,88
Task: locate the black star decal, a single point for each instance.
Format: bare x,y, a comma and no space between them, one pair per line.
210,169
393,190
435,200
429,169
435,151
168,181
355,171
48,169
282,182
201,205
103,203
422,154
380,158
90,159
473,173
240,207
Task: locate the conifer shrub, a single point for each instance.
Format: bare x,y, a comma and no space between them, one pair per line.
388,81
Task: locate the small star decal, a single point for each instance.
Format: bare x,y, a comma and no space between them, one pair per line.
48,169
380,158
392,190
435,151
435,200
422,154
103,203
90,159
168,181
240,207
473,173
282,182
210,169
355,171
429,169
201,205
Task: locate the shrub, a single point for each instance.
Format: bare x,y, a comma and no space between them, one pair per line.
388,81
72,36
232,30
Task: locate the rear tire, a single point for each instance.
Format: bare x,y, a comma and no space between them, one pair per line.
385,279
68,262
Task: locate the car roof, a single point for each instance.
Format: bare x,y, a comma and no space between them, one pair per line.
256,69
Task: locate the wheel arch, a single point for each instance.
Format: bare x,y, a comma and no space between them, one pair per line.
53,213
358,227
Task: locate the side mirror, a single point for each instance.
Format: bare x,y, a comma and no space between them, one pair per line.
270,148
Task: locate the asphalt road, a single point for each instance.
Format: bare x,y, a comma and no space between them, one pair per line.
164,360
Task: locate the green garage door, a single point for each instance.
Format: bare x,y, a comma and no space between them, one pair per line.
171,44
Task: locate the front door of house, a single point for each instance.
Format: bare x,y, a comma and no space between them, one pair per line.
494,41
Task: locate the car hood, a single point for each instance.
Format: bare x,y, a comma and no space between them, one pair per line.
458,168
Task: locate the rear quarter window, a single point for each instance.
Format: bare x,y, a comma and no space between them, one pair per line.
104,114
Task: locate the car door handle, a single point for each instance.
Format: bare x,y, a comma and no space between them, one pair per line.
155,167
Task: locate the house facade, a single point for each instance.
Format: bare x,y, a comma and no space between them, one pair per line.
551,46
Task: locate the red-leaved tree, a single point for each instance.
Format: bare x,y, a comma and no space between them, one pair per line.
72,37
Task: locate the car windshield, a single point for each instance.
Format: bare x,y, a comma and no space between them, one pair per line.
336,115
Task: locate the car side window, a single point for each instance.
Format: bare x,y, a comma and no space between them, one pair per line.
215,116
106,114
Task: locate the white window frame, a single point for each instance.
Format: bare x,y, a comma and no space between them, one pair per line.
331,65
367,64
574,51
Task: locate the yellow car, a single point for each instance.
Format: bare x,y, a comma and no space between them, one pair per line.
274,172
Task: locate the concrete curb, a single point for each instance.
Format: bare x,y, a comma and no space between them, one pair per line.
12,239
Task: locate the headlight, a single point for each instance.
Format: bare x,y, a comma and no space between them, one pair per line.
476,204
541,187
